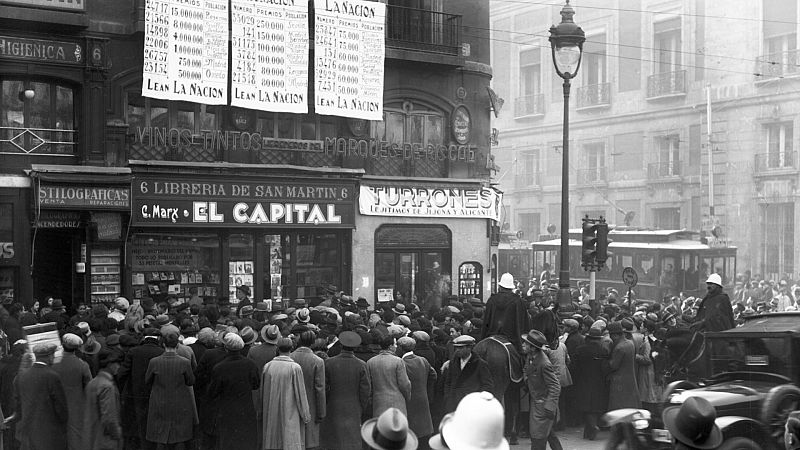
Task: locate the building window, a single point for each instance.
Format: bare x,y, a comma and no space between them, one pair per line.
143,112
667,40
595,154
44,111
595,89
409,126
529,169
530,225
669,157
530,72
667,218
777,240
779,145
780,39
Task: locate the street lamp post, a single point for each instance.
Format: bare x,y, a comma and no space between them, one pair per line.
566,43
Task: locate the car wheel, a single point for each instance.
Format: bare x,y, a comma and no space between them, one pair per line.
676,385
739,443
779,402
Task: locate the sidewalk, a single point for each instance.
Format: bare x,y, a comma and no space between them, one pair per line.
571,439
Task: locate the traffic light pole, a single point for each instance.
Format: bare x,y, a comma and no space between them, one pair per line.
593,285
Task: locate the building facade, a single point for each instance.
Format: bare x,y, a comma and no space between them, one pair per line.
111,193
660,84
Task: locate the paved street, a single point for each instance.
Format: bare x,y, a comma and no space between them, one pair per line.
571,439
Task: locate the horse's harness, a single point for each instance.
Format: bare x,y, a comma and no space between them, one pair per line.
506,345
680,367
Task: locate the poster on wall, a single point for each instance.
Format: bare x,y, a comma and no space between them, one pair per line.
349,46
269,56
186,51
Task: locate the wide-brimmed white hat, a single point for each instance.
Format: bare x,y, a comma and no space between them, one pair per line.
507,281
477,424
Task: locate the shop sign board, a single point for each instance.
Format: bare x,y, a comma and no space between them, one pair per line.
40,50
416,201
57,219
67,196
7,250
204,203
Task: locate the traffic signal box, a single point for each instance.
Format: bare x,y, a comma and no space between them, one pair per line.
589,243
602,244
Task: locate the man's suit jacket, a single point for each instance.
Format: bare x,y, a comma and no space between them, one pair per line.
458,382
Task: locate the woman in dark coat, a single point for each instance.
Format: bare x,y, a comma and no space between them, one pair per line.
232,384
589,383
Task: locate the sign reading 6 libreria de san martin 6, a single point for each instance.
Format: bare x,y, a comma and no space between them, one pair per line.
307,204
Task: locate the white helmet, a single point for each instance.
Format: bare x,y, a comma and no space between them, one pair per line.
715,278
507,281
477,424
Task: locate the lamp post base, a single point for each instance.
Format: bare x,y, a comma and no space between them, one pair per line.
564,297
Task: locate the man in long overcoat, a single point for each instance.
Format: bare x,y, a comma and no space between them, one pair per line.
541,379
206,410
284,400
391,387
423,378
348,395
314,380
590,386
172,413
623,391
232,384
102,422
465,373
41,411
75,375
131,377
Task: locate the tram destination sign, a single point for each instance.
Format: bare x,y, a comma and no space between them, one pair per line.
203,203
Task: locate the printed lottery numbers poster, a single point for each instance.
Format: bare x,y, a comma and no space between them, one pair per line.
349,43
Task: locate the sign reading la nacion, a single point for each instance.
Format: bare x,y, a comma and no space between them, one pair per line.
415,201
164,202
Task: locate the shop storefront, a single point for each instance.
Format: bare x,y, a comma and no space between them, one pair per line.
14,237
423,242
197,237
79,224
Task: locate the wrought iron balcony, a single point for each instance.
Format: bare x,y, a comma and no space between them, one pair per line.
529,105
37,141
423,30
768,162
779,64
595,175
665,169
594,95
528,180
667,83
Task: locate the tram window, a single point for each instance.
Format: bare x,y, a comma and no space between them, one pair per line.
705,268
730,268
690,276
646,267
667,279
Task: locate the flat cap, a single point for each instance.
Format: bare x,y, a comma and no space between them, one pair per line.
43,350
463,340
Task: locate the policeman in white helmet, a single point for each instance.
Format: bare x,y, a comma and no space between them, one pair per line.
715,312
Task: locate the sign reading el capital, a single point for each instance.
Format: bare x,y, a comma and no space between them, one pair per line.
201,203
415,201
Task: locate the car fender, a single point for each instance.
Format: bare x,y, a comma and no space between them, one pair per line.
737,426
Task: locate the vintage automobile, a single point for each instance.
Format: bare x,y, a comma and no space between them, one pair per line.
752,374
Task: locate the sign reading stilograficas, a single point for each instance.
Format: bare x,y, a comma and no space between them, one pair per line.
269,55
349,46
186,51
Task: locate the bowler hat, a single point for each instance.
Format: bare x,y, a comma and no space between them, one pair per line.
389,431
692,423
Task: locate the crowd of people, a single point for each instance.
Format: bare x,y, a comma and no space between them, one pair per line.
222,376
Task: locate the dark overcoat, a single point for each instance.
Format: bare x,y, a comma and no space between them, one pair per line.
41,408
75,375
422,377
135,393
623,392
506,315
541,379
232,384
348,393
205,407
172,413
458,382
589,384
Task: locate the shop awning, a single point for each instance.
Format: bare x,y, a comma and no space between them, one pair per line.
80,174
81,187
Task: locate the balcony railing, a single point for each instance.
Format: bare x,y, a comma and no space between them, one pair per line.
766,162
779,64
594,95
663,170
37,141
592,176
529,105
423,30
667,83
528,180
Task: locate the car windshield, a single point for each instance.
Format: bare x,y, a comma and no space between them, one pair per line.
750,354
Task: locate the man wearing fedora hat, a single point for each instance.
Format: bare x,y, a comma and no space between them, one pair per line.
590,388
131,378
348,395
75,375
623,390
541,379
389,431
692,424
505,313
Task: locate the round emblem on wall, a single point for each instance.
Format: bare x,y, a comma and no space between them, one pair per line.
359,127
461,93
462,125
241,119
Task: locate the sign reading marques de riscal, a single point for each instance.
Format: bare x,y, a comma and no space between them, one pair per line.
228,203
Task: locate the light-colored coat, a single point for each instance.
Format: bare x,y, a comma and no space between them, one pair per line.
314,378
101,417
349,389
422,377
285,406
172,412
75,375
391,387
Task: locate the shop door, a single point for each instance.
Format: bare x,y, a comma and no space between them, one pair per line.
413,276
55,252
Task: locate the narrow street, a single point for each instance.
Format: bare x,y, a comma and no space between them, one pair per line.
571,439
